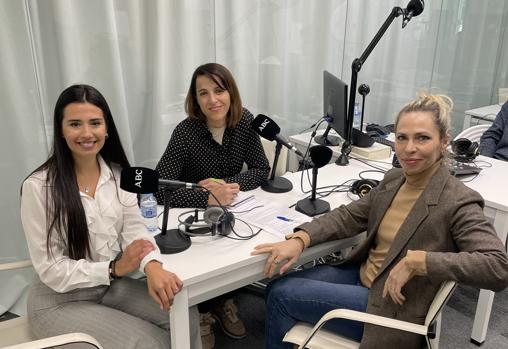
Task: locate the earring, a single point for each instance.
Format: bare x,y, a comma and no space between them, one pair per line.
107,135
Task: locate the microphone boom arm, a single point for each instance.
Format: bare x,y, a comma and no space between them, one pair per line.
355,68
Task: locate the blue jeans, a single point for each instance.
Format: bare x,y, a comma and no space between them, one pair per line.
308,295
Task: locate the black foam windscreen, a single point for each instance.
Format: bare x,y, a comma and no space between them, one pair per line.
265,127
320,155
416,7
139,180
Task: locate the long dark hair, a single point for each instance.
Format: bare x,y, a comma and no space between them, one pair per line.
64,211
224,79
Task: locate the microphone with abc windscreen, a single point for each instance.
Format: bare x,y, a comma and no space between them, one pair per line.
320,156
268,129
141,180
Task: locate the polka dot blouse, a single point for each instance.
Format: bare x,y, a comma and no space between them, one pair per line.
193,155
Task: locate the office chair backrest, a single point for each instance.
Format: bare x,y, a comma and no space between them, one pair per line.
473,133
442,296
269,148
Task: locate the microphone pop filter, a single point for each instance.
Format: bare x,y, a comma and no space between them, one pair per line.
320,155
139,180
265,127
416,7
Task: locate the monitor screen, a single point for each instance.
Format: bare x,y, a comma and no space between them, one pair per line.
335,102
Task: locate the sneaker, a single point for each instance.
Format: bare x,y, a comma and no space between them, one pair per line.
226,315
205,326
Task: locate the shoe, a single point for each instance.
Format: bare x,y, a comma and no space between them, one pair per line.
226,315
205,326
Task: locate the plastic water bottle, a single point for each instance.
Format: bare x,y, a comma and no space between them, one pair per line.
357,116
148,207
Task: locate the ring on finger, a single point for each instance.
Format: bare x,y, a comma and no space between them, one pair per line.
276,262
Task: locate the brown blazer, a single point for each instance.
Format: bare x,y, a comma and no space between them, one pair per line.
447,221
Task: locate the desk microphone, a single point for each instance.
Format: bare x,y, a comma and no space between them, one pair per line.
268,129
142,180
320,156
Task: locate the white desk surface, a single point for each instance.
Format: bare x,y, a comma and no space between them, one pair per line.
489,111
214,266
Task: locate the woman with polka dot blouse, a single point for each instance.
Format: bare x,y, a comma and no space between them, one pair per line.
210,148
212,144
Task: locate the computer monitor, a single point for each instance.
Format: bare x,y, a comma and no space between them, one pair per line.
334,107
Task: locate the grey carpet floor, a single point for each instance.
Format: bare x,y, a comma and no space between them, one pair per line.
456,327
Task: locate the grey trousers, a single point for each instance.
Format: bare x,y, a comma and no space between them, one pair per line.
121,315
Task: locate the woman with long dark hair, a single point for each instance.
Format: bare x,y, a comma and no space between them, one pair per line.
84,234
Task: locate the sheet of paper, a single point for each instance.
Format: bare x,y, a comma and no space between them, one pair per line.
242,197
277,220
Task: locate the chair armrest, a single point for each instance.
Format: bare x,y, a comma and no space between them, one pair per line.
16,265
366,318
57,341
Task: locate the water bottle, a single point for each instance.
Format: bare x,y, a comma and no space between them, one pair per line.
148,206
357,116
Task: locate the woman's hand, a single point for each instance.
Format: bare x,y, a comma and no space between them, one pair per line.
289,251
162,284
413,264
132,256
225,193
211,183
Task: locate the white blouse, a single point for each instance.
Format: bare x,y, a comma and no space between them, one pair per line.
114,221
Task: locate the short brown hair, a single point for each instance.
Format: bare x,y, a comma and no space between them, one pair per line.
223,78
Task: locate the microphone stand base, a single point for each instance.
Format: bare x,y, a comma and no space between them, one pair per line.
172,242
277,185
342,160
327,140
312,207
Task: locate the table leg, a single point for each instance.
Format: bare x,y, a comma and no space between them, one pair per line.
179,321
486,297
482,316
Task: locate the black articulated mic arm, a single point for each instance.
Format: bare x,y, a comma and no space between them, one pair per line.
414,8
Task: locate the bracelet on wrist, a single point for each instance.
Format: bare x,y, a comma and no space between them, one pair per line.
112,274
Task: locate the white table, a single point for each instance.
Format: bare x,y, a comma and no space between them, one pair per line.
487,113
490,184
214,266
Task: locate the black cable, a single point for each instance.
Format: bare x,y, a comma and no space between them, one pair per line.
312,126
225,210
366,162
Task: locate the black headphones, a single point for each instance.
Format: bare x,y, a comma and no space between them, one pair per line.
464,150
362,187
216,221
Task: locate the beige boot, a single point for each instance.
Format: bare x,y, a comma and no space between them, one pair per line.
205,325
227,315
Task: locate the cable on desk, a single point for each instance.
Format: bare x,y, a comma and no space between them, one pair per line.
369,171
366,162
482,163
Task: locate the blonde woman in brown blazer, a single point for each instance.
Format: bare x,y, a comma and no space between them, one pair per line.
423,227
